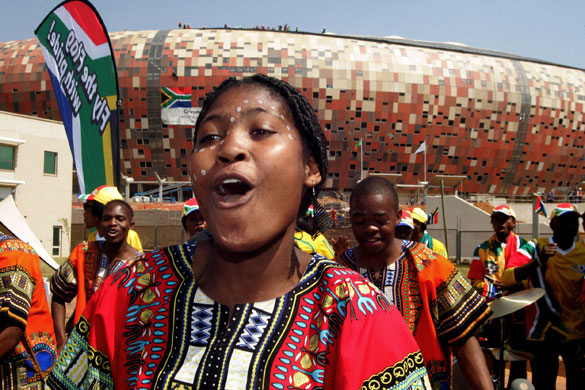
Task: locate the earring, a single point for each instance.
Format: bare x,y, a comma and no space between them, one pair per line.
322,219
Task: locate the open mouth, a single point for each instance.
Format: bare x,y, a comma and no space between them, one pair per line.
111,232
371,240
232,190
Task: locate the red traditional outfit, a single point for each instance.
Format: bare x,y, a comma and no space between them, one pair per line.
151,326
79,276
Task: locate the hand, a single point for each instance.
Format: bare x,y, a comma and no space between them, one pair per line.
340,245
60,346
547,251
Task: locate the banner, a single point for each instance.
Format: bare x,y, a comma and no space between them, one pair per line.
176,108
78,54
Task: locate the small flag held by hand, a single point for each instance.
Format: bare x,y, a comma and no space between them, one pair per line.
489,288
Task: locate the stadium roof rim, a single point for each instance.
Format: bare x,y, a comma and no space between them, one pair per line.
459,47
455,47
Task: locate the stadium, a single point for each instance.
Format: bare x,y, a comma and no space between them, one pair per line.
508,125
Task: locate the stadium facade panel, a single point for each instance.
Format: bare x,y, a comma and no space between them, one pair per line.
511,125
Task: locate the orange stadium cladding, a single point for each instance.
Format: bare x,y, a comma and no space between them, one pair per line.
512,125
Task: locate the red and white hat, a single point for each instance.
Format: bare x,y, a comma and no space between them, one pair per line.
504,209
190,206
406,219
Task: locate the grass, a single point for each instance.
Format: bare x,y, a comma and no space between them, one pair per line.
47,270
464,269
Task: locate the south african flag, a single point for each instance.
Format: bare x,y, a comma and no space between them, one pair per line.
175,97
540,209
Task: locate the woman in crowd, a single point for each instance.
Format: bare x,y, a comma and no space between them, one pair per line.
245,309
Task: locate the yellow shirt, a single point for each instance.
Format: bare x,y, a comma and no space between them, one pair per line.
434,244
132,239
561,309
319,245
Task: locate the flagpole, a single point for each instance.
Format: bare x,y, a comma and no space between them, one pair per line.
361,160
535,226
425,161
425,168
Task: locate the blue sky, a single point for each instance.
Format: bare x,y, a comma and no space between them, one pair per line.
547,30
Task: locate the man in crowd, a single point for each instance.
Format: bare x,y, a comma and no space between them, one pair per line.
89,264
405,227
27,339
440,307
93,209
490,259
421,219
192,219
556,322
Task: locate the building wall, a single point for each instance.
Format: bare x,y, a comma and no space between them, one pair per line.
512,125
44,200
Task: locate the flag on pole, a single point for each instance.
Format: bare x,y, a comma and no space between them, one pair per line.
421,147
357,146
540,207
434,216
78,54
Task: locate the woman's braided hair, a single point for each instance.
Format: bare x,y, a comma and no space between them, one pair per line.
312,137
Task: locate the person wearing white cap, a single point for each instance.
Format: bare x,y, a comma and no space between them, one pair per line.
490,259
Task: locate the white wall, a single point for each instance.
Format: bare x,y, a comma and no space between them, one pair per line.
44,200
475,223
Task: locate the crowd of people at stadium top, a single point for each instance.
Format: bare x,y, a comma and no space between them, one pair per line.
258,298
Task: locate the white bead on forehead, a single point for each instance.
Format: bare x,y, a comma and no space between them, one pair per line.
238,109
203,172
